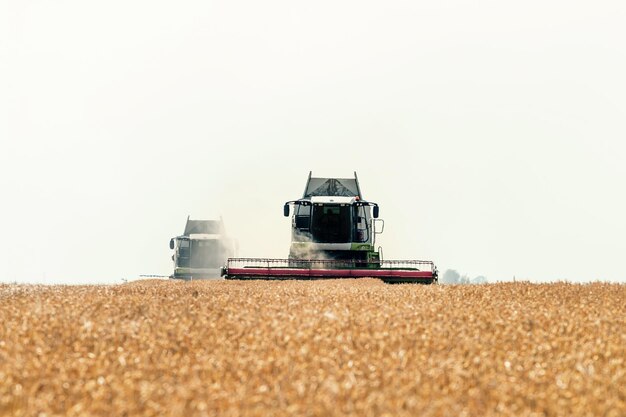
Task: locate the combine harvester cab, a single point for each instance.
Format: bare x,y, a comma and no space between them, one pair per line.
201,251
333,236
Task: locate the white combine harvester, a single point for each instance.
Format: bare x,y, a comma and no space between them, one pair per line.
201,251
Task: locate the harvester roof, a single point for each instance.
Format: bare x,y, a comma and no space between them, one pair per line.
332,199
204,236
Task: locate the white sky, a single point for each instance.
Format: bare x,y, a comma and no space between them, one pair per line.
491,133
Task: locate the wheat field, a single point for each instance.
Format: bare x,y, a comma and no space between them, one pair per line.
322,348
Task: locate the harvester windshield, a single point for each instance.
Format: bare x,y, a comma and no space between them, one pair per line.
331,223
205,254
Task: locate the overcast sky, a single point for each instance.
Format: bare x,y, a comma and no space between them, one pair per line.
491,133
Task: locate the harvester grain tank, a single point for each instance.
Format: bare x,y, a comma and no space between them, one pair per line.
333,235
201,250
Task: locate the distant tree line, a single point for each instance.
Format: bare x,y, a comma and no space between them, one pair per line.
451,276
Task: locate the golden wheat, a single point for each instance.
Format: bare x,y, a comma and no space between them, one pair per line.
354,347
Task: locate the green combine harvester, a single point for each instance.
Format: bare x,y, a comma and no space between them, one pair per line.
333,236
